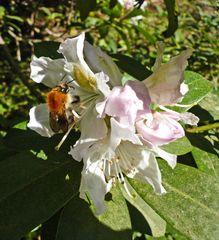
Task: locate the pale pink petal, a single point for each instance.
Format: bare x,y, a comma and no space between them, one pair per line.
161,130
123,104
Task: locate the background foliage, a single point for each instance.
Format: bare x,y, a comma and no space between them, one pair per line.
26,201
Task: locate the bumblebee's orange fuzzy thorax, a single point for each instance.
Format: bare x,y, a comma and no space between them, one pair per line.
56,101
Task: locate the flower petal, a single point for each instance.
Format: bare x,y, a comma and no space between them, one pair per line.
39,120
93,182
121,132
102,80
92,129
100,61
72,50
47,71
123,104
143,165
162,129
170,158
189,118
142,94
164,84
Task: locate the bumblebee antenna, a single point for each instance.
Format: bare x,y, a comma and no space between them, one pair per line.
63,77
70,81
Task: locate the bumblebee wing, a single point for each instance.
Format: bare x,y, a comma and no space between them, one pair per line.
58,122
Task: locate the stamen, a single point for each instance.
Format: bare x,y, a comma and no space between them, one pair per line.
64,137
121,177
127,190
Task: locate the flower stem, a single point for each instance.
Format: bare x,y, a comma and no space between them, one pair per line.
203,128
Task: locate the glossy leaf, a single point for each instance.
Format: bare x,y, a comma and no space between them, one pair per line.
191,203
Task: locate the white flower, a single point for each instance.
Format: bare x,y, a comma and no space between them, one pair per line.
106,160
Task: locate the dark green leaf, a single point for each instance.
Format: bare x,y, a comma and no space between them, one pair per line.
172,18
32,190
78,220
49,228
199,140
47,49
131,66
191,203
179,147
112,3
21,140
85,6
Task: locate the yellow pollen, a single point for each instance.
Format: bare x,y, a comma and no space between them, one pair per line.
84,80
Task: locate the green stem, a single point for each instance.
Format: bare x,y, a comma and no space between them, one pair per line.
203,128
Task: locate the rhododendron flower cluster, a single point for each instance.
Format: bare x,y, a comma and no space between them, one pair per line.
121,134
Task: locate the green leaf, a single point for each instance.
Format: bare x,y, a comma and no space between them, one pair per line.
172,18
191,203
34,183
199,87
78,220
47,49
206,162
85,6
211,104
2,12
156,223
21,140
49,228
16,18
131,66
179,147
32,190
21,125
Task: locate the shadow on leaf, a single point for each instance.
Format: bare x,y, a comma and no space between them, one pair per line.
78,222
